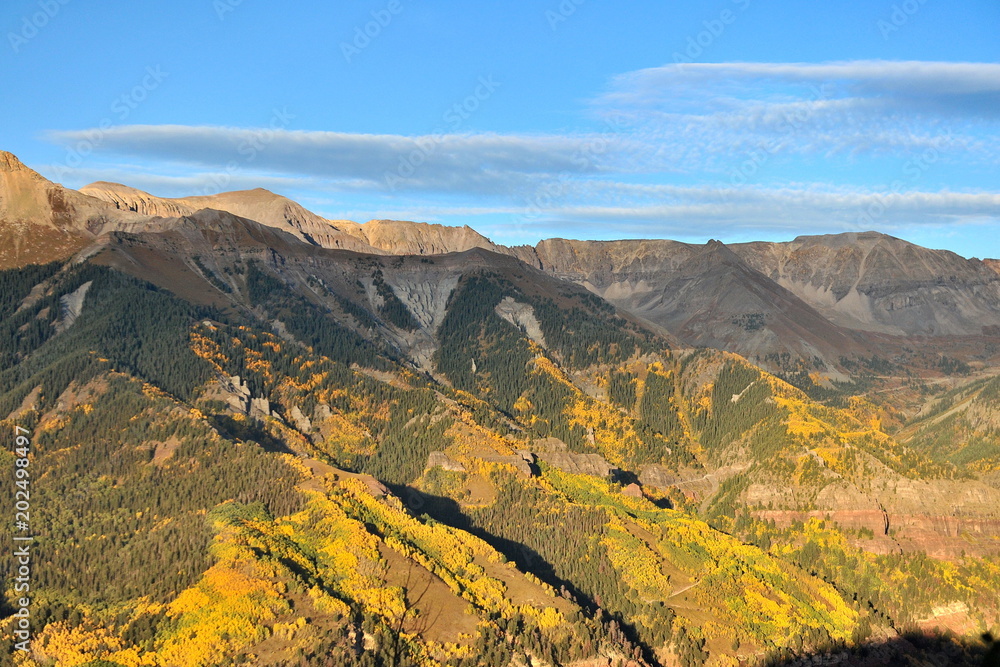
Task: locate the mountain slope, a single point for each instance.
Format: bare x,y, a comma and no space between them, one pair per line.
823,297
548,354
293,537
872,281
866,281
705,295
814,300
41,221
961,426
458,459
259,204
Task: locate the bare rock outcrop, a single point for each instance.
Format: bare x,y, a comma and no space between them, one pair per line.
445,462
71,305
633,490
579,464
301,422
236,394
943,518
658,476
523,316
399,237
41,221
519,462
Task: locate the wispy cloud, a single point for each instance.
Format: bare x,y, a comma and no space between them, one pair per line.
689,118
917,86
678,147
760,213
802,108
787,206
167,181
476,163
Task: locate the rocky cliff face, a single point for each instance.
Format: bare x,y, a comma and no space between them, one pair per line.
817,297
125,198
259,205
707,295
41,221
875,282
942,518
419,238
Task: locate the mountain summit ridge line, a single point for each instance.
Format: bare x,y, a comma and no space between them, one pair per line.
817,296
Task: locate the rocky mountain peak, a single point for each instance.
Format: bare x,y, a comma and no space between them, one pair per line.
61,221
717,251
126,198
9,162
421,238
752,298
259,204
844,238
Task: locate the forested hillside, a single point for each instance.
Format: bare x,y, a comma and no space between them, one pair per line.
314,457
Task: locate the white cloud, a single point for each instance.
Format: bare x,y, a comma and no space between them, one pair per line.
687,118
877,107
963,87
664,128
183,183
480,163
799,207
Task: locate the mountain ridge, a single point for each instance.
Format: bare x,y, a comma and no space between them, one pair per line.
817,297
253,449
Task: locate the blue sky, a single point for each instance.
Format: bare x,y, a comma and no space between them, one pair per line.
728,119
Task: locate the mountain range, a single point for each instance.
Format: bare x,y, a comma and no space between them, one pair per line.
261,437
824,297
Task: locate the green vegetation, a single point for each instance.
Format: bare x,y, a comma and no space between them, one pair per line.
657,406
211,276
622,389
750,321
739,402
392,309
183,523
310,323
137,327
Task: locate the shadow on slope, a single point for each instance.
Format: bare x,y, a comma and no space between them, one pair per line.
912,648
447,511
